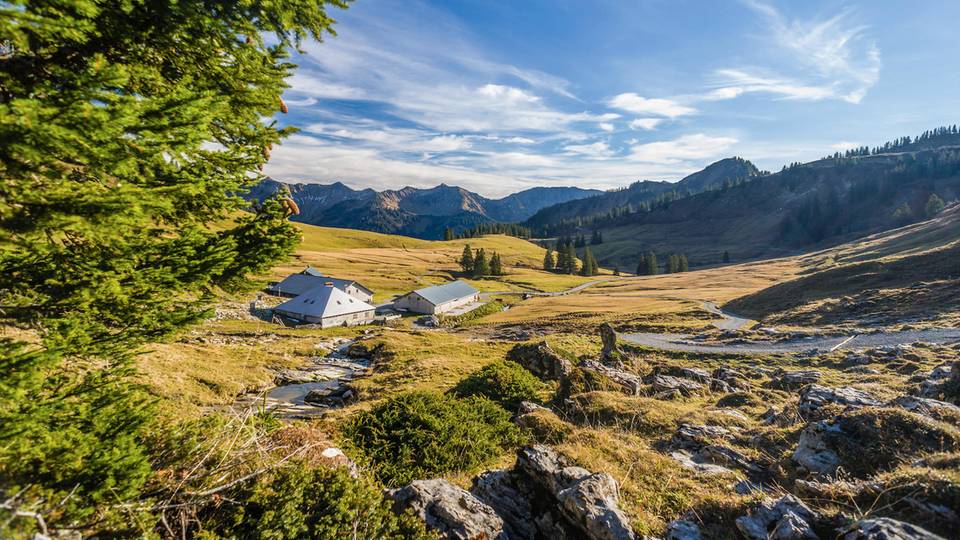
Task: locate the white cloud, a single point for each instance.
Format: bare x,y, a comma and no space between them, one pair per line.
739,81
636,104
648,124
686,148
606,126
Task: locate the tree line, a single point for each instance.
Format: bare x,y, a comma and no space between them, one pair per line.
509,229
649,266
565,260
477,264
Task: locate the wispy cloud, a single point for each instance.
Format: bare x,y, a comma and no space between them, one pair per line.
647,124
833,58
688,147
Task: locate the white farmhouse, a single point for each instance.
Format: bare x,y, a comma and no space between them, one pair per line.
439,298
310,278
327,306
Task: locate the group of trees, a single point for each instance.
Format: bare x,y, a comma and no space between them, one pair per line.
477,264
648,265
509,229
942,134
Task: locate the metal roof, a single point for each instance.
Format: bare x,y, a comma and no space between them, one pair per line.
440,294
324,301
296,284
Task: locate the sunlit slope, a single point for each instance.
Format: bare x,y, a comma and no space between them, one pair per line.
391,264
907,274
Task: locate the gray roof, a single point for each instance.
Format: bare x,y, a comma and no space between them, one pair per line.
439,294
322,302
296,284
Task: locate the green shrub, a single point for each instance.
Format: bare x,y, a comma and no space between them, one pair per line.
505,382
425,434
301,501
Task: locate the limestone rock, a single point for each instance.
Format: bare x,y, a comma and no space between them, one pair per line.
502,492
932,408
541,360
785,519
453,512
887,529
667,386
694,436
592,503
688,461
631,383
814,396
611,354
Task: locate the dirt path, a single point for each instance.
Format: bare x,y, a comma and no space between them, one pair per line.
681,342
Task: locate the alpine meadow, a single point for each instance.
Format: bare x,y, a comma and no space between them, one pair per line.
367,269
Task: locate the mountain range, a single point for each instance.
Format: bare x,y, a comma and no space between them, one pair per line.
421,213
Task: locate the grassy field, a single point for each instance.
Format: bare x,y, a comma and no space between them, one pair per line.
392,265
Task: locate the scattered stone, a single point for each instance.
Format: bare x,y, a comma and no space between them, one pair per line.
815,396
628,381
722,455
862,370
697,374
592,503
746,487
527,407
666,386
785,519
733,378
793,380
682,529
887,529
449,510
541,360
813,452
932,383
297,376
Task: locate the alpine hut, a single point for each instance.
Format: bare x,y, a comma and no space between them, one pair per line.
439,298
327,306
311,278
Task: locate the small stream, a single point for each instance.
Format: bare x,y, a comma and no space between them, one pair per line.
289,399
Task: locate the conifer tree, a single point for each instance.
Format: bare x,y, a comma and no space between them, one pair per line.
130,130
934,205
652,267
642,265
481,267
590,266
726,257
496,266
684,264
448,234
673,264
466,259
570,260
548,260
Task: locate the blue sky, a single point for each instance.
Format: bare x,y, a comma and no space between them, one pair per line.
502,96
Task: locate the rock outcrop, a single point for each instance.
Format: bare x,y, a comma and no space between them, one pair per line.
454,513
814,396
544,496
611,354
793,380
784,519
630,383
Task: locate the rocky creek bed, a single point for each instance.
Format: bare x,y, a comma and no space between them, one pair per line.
312,389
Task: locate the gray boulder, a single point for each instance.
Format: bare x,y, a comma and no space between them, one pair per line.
452,512
814,396
887,529
611,354
932,408
784,519
694,436
510,499
541,360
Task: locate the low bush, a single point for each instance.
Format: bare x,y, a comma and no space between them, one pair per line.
425,434
301,501
505,382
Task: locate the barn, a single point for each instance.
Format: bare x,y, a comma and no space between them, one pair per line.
439,298
311,278
327,306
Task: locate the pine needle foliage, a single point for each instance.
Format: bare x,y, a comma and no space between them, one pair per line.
128,132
